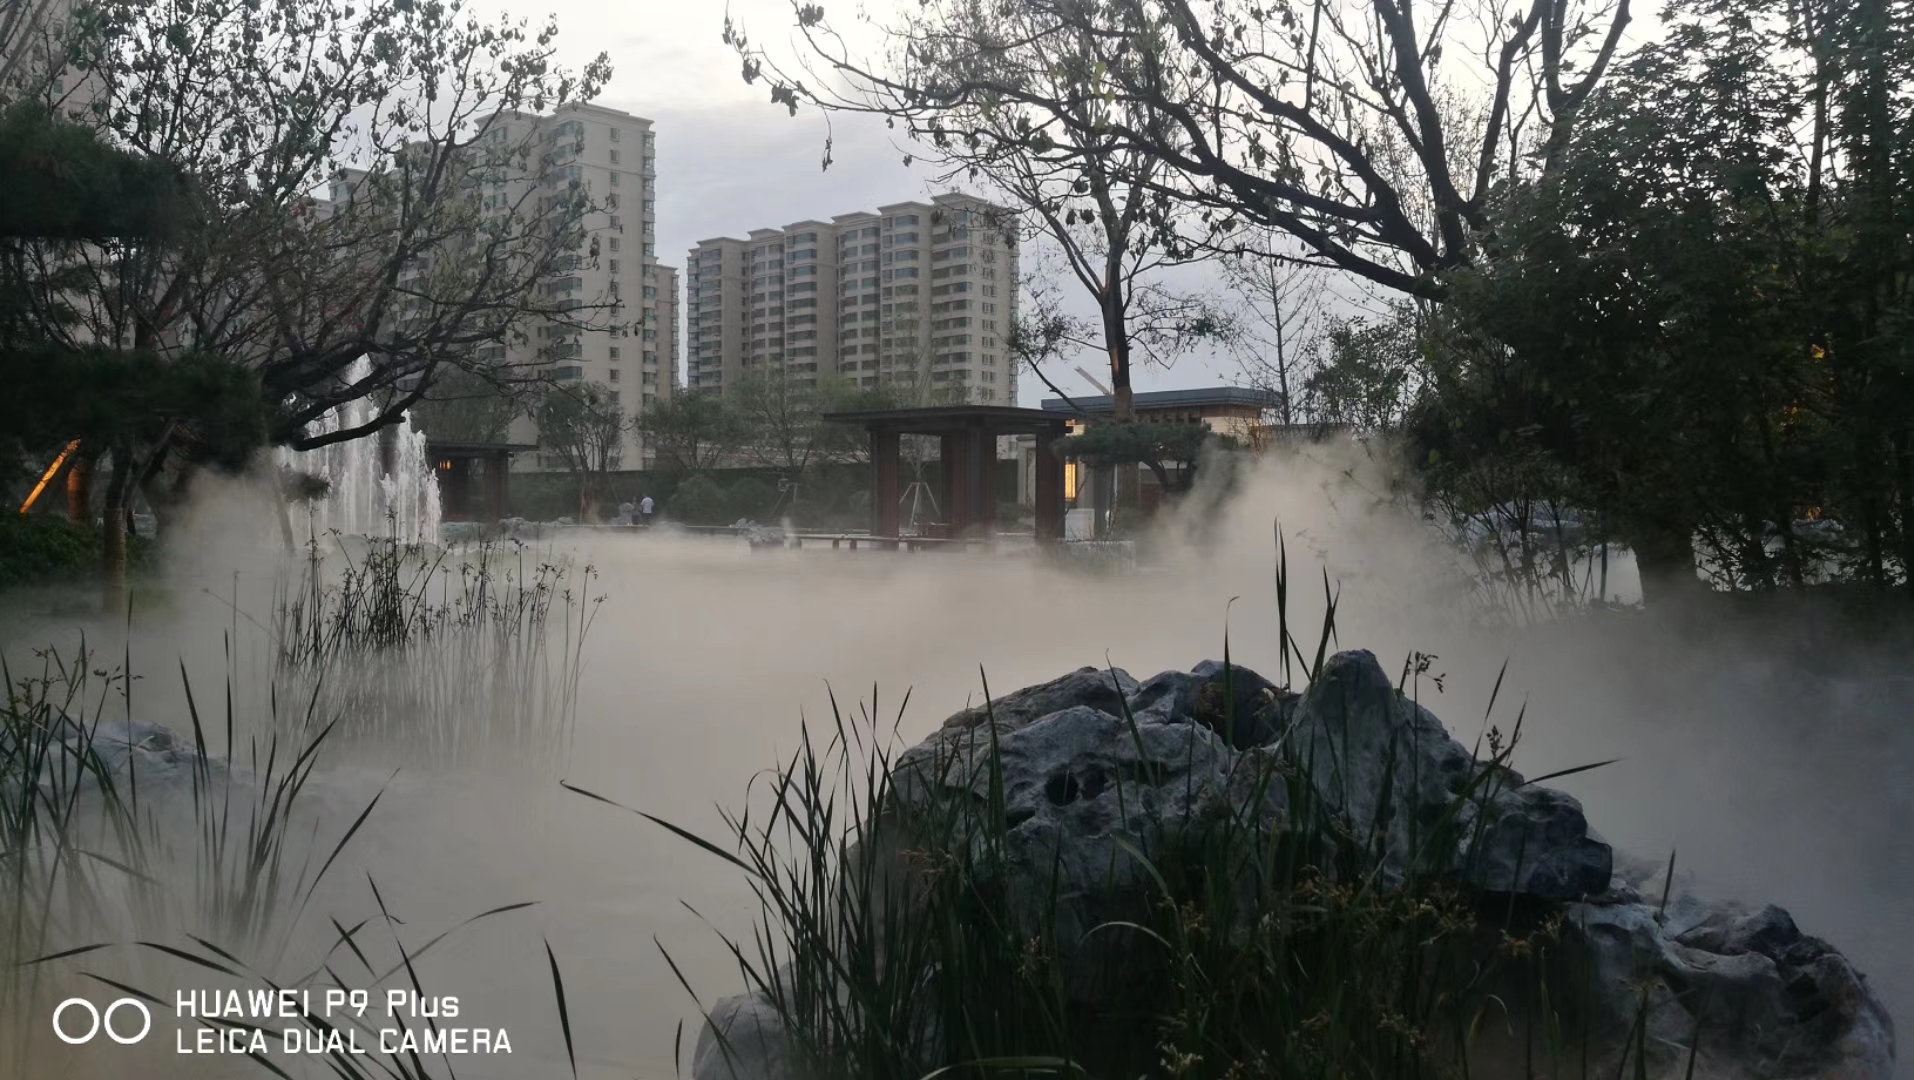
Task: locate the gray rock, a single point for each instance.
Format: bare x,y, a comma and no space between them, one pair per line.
759,536
1082,790
742,1040
1762,998
136,758
1238,704
1095,688
1387,765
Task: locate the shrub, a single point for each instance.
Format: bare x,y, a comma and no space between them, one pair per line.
40,549
37,548
699,501
751,498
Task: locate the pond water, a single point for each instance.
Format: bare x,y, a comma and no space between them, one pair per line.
705,658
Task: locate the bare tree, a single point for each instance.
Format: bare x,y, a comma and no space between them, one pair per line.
691,432
584,425
783,428
1373,132
1286,311
446,213
29,47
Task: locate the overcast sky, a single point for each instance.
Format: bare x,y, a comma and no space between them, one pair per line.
729,161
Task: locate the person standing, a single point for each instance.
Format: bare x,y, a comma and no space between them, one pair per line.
644,510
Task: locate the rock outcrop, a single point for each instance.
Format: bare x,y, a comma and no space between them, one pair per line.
130,753
1096,765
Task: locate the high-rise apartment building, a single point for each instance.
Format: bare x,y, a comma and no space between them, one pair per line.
612,156
629,343
918,295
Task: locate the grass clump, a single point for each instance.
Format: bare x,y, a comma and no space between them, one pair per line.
444,659
207,851
111,827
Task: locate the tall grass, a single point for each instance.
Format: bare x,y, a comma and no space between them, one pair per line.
206,850
101,836
442,659
907,929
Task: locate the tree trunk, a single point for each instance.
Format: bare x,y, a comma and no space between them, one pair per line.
113,531
1904,500
1666,561
275,491
79,490
1122,411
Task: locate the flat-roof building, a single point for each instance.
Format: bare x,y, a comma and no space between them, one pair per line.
919,294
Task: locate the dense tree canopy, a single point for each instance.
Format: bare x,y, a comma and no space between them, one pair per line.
1702,314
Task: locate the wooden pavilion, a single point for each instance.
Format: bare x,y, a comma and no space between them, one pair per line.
968,453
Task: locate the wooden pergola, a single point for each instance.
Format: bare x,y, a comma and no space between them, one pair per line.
968,436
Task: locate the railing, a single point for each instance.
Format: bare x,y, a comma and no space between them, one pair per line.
815,541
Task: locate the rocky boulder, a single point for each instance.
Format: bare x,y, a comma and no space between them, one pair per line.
128,752
1094,766
1761,998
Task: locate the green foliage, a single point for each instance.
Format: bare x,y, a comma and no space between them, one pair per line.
749,497
109,397
700,501
47,549
1171,451
468,406
1369,372
1696,327
38,548
584,424
64,183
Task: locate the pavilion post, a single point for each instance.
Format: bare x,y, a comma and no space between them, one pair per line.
950,456
1049,484
984,468
498,474
884,487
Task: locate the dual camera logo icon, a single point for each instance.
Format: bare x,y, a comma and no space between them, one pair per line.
96,1021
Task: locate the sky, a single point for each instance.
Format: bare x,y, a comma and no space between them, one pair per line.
730,161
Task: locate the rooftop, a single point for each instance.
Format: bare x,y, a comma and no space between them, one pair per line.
937,419
1170,399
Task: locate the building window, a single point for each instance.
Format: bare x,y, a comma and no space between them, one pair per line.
615,175
614,157
614,356
614,374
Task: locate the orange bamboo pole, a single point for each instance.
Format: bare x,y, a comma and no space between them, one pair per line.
53,470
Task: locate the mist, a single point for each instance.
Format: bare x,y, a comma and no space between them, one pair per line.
1774,756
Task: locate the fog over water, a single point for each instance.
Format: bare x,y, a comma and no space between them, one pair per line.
1774,784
